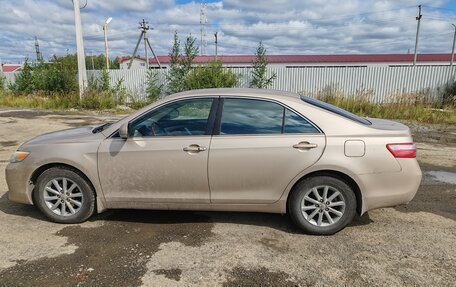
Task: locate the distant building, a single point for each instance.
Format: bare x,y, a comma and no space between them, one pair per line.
138,63
292,61
8,68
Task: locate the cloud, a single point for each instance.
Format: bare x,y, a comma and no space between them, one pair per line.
284,26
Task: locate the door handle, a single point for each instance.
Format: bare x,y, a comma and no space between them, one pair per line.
194,148
304,145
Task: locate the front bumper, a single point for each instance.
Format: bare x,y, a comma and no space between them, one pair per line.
18,177
391,189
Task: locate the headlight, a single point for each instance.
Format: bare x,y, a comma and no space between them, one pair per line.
18,156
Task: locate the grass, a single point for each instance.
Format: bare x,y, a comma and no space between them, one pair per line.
414,107
408,107
39,100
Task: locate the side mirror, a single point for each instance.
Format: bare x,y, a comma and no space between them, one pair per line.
123,131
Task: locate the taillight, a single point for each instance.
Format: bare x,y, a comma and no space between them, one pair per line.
402,150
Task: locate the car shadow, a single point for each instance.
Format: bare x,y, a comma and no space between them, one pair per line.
18,209
275,221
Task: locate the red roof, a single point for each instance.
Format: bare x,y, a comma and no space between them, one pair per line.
284,59
7,68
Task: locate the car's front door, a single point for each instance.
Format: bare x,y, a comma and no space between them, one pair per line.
164,160
260,146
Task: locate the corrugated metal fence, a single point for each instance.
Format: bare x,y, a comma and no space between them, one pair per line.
377,83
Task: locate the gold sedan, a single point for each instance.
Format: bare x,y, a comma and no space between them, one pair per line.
224,150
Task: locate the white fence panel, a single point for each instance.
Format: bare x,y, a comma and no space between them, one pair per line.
376,83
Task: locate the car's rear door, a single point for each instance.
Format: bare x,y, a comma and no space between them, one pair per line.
258,147
164,160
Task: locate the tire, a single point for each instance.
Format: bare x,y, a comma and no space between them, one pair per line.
76,206
306,208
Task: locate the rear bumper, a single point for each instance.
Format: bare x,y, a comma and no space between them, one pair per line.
391,189
18,180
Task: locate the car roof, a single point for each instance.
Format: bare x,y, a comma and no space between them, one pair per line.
238,92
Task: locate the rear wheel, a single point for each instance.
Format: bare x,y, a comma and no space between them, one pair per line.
64,196
322,205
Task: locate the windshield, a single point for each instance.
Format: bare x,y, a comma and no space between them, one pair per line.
336,110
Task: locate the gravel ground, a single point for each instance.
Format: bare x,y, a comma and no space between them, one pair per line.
412,245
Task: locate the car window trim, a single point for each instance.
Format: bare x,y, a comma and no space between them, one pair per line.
218,120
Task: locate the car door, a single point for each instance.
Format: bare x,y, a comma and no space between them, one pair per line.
164,160
258,147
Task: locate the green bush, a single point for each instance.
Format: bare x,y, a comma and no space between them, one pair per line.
2,83
212,75
58,75
24,80
448,93
95,100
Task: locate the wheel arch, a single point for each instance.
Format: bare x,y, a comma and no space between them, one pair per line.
336,174
37,172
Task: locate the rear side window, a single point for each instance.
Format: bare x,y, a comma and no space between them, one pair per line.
336,110
295,124
247,116
242,116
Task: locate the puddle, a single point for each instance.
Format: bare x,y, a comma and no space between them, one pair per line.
442,176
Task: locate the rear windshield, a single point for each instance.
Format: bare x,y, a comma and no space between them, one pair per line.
336,110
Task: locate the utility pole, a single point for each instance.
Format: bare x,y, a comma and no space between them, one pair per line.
82,73
418,18
144,28
452,49
91,56
216,43
105,30
39,57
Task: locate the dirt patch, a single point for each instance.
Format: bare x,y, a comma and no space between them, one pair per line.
8,143
25,114
439,199
433,133
114,254
240,277
173,274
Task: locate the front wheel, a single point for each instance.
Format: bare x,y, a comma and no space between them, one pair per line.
322,205
64,196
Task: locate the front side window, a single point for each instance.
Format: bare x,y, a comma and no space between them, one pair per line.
183,118
245,116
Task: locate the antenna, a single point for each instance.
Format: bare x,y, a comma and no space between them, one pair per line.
39,57
203,22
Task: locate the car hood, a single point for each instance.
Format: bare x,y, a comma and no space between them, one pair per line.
74,135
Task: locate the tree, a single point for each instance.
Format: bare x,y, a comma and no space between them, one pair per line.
175,76
99,62
190,51
153,87
24,80
260,79
213,75
180,65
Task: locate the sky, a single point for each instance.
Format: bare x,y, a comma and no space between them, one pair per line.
284,26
